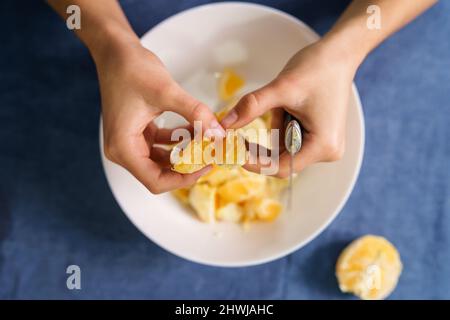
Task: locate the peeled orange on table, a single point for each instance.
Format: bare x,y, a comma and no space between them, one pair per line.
369,268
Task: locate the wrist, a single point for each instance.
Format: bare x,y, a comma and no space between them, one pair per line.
110,41
345,48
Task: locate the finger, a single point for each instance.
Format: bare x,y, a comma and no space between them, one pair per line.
279,164
164,135
158,179
171,180
134,155
252,105
309,154
161,156
195,111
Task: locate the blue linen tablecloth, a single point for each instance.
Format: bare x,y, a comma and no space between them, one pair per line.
56,208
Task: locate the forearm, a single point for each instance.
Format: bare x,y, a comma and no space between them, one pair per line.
351,35
104,26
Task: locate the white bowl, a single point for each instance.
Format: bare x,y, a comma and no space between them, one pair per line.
257,41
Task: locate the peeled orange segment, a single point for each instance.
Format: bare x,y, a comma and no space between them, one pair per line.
265,209
256,132
269,209
198,154
218,175
231,212
241,189
232,150
182,195
249,208
369,268
187,168
202,198
189,158
256,124
229,84
245,173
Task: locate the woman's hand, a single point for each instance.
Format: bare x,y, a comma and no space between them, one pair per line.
314,87
135,88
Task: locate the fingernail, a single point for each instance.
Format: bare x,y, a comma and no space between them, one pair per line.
230,118
215,130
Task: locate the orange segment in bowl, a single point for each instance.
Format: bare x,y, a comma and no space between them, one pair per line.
218,175
182,195
229,84
369,268
202,198
268,209
241,189
230,212
264,209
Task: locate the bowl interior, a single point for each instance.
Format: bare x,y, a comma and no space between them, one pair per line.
256,41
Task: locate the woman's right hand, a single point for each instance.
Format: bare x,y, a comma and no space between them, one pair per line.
314,87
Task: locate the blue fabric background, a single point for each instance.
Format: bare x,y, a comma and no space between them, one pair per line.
56,208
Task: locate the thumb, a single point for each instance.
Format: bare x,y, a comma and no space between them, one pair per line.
251,106
193,110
